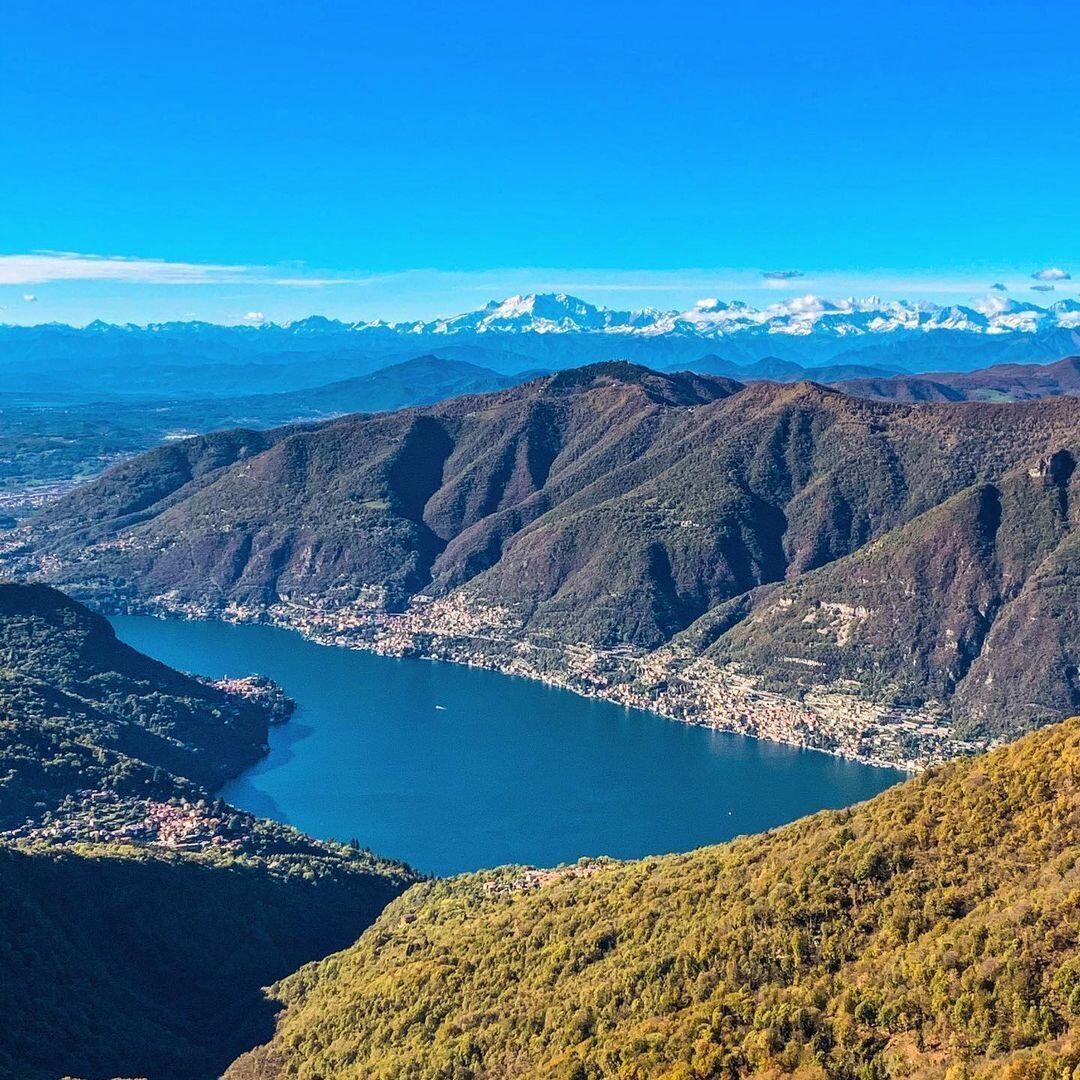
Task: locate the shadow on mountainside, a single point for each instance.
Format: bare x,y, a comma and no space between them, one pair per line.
138,964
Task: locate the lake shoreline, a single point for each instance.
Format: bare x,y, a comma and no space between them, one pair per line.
454,767
675,686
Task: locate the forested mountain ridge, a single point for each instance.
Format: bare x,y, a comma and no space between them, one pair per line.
623,531
79,709
931,932
139,916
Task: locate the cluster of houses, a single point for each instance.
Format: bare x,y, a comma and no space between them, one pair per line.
530,878
105,817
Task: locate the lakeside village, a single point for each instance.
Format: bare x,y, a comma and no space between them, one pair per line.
104,816
178,823
671,681
258,689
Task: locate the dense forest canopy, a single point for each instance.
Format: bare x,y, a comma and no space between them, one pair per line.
139,915
933,931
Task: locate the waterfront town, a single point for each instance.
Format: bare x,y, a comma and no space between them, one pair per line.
672,681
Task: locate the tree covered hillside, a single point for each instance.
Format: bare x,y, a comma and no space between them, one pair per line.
139,916
931,932
81,710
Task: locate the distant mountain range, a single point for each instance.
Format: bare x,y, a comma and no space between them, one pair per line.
1003,382
547,331
559,313
774,369
854,557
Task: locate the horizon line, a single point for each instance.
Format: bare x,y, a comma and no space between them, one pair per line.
808,307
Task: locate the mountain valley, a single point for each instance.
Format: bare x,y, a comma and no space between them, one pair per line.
720,553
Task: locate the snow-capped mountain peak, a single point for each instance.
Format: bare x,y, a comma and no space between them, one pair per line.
711,317
547,313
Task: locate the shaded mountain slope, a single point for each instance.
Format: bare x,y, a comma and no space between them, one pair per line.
138,488
135,961
766,486
139,917
933,931
614,507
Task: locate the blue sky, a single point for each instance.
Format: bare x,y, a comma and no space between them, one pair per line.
403,159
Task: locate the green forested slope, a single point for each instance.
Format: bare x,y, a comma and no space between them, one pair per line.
118,960
933,931
81,710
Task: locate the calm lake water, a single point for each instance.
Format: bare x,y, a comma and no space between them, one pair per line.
453,768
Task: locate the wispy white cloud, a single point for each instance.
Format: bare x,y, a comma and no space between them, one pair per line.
44,266
254,318
30,298
1051,273
39,267
61,266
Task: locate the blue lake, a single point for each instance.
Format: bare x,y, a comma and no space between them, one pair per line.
454,768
